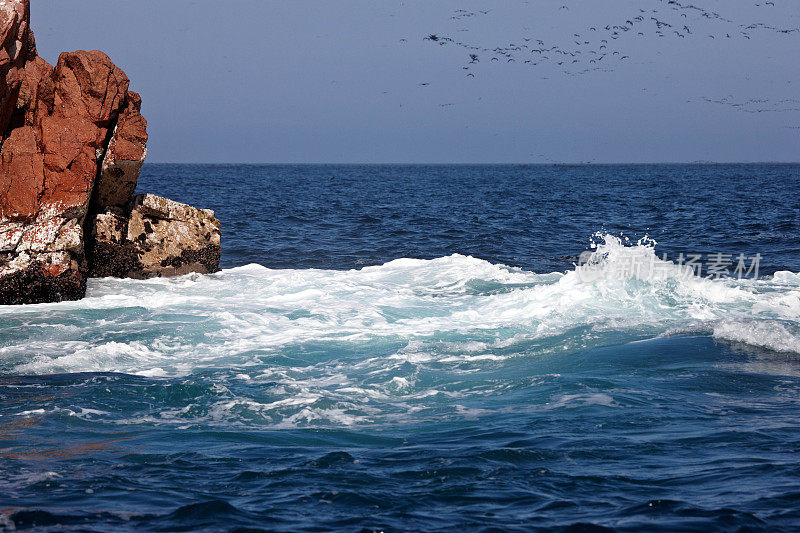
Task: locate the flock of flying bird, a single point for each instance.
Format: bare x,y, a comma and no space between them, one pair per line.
757,105
597,48
601,47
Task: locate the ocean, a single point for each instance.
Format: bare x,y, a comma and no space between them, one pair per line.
427,348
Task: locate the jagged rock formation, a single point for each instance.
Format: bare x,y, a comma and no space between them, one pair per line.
73,143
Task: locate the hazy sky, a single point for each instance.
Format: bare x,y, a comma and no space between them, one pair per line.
280,81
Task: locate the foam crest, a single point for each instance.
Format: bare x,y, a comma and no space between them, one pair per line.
771,334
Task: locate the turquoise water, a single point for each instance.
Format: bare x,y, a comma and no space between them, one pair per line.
425,348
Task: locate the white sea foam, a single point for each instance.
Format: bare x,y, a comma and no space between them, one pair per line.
571,401
457,311
771,334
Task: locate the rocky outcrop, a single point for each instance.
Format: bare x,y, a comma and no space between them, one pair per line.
72,147
158,237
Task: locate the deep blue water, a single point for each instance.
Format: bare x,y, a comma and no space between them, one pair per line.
534,217
413,348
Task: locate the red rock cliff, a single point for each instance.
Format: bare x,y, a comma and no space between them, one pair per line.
73,143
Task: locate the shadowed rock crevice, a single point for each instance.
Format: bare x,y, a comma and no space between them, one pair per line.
72,148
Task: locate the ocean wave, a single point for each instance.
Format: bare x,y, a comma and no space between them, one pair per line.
453,310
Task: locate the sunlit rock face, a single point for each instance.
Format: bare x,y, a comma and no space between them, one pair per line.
73,144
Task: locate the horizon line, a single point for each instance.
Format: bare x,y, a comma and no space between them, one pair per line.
549,164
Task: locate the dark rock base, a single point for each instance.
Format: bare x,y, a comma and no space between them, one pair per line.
35,285
205,261
112,260
122,261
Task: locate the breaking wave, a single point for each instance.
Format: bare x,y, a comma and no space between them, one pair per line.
453,309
